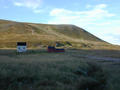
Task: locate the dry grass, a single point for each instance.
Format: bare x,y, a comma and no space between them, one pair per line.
43,34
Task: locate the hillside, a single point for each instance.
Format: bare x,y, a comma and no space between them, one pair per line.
37,35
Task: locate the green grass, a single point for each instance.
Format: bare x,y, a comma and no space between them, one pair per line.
40,70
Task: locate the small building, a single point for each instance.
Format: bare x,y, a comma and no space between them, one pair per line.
59,50
21,47
53,49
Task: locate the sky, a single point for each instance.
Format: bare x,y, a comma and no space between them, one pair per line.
99,17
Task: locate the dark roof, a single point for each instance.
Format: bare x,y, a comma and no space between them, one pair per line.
21,43
51,47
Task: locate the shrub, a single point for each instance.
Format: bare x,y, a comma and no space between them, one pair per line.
91,78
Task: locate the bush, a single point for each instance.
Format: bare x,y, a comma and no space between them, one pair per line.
91,78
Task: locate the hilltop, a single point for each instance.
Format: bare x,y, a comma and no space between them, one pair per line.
41,35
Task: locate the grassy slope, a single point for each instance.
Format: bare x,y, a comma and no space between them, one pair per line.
44,34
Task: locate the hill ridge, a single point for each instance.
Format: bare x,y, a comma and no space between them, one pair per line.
12,31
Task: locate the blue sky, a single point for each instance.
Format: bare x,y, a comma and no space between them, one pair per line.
99,17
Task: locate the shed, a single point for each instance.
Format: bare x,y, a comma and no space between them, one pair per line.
21,46
51,49
59,50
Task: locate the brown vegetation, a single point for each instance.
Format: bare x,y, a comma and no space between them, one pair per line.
40,35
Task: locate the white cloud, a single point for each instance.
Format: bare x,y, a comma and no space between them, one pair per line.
112,39
113,31
60,12
18,4
32,4
100,6
28,3
79,17
109,32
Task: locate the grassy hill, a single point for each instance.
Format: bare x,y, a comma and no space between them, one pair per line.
41,35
